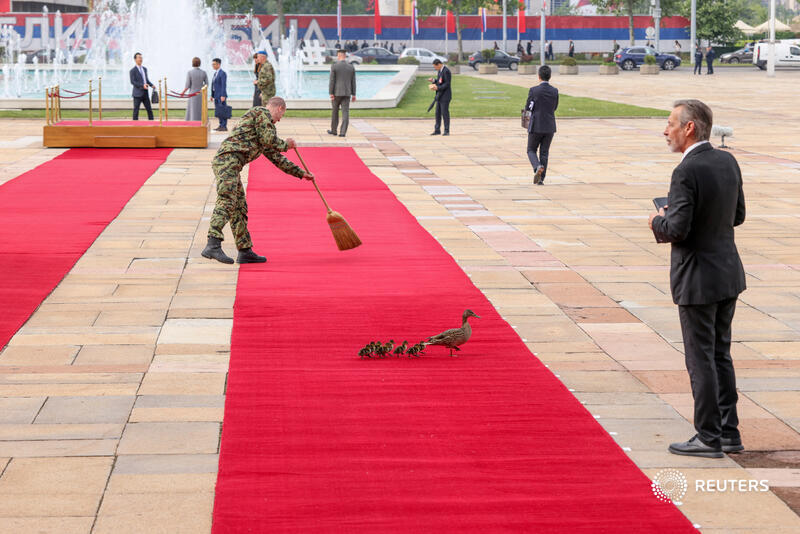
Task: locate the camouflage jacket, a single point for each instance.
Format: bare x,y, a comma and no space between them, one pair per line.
266,81
255,135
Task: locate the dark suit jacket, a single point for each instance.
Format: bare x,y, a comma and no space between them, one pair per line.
138,83
219,85
544,98
343,79
442,81
705,203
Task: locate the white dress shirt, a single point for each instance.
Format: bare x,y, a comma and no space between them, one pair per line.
686,152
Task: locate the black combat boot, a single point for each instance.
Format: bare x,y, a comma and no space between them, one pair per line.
214,251
246,255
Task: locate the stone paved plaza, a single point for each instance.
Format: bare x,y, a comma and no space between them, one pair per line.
112,394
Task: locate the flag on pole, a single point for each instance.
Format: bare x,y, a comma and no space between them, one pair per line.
483,20
339,19
376,5
415,18
450,24
521,27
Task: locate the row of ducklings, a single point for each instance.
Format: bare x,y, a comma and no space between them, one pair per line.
382,350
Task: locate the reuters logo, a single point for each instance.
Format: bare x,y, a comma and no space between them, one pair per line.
669,485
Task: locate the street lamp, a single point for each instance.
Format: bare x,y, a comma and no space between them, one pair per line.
771,45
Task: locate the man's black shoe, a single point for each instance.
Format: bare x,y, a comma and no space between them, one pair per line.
246,255
446,133
436,133
695,447
341,135
331,132
732,444
213,251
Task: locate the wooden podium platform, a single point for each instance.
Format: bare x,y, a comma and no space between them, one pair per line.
126,134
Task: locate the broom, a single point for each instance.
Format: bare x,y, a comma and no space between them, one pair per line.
344,236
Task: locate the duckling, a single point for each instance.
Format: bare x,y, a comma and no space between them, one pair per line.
454,337
401,349
366,352
389,346
420,348
412,351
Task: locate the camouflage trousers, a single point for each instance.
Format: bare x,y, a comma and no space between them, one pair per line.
231,205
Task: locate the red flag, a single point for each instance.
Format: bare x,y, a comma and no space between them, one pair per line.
376,5
521,28
450,24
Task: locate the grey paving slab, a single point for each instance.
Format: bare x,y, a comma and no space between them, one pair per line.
103,409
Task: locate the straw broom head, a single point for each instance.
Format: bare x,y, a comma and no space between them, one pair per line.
344,236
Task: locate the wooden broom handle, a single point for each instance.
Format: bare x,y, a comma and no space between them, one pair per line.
312,181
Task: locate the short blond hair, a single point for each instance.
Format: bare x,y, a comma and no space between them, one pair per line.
277,102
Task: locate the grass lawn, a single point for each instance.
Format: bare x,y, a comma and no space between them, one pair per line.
472,97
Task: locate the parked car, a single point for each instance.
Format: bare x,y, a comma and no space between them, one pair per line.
632,57
787,53
501,59
350,58
423,55
381,55
743,55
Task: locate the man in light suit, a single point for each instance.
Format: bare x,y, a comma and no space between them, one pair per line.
342,88
444,94
706,274
542,102
219,93
141,83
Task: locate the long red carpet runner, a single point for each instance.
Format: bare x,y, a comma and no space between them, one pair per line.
52,214
317,440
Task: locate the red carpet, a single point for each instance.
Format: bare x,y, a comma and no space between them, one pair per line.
316,440
129,123
52,214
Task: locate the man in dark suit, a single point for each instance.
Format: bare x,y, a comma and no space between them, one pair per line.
706,274
342,88
219,93
441,84
710,55
542,103
141,83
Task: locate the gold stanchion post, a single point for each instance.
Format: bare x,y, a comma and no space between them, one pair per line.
204,95
47,105
100,98
166,105
90,102
58,103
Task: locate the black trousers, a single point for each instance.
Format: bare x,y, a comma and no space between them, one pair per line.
539,142
707,343
344,102
709,66
442,112
698,67
257,97
137,100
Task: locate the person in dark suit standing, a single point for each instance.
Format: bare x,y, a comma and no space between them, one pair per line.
705,203
542,103
571,48
710,55
549,53
141,83
342,88
698,60
441,84
529,47
219,94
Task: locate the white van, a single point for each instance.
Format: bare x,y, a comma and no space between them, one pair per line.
787,53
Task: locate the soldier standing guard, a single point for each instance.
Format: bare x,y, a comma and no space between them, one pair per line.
253,136
266,78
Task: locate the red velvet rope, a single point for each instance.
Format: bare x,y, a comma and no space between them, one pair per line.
77,95
178,95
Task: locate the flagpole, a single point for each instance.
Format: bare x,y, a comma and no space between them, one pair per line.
445,33
483,14
541,33
505,29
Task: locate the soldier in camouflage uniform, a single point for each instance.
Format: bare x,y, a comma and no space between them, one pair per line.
266,78
254,135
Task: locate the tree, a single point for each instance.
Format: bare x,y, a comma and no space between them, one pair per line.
715,20
458,7
636,7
